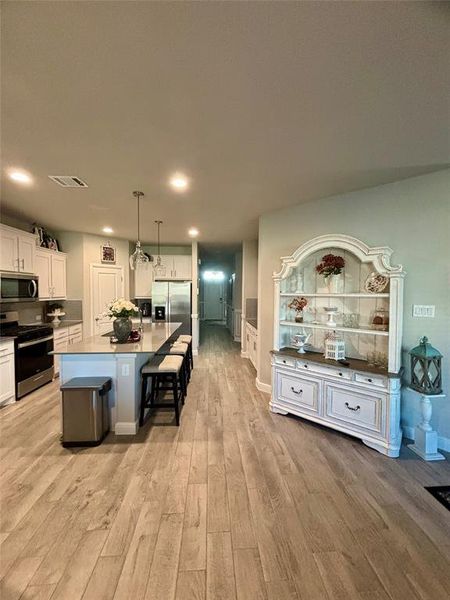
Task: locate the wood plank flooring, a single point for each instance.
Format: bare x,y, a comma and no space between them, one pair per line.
235,504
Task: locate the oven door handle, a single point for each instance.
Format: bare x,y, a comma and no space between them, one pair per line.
34,342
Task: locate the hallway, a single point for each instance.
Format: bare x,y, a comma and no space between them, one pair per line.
236,503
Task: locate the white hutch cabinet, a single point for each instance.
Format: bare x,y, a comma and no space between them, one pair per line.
360,398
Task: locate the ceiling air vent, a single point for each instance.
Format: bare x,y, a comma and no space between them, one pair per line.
68,181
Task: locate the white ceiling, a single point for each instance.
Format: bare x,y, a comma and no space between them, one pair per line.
263,105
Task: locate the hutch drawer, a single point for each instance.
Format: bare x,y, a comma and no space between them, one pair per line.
350,406
371,380
300,391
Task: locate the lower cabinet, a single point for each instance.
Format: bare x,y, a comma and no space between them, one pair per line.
7,378
63,337
251,339
355,403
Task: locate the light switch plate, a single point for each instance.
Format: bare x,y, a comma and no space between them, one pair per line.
423,310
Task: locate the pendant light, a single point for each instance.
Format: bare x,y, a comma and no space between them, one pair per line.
138,257
159,268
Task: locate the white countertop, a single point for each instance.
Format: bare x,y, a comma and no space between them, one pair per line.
154,336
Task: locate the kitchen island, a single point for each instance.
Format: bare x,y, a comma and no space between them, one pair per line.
97,356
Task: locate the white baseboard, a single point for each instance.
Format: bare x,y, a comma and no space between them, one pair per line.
195,352
237,338
125,428
263,387
244,354
443,442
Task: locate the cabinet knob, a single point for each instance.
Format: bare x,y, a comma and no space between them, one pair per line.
340,375
306,366
369,380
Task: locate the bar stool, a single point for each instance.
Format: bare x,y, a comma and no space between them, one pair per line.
187,339
159,369
179,349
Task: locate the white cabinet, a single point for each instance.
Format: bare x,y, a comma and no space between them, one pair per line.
178,266
359,399
7,380
63,337
143,279
17,250
338,397
252,343
51,269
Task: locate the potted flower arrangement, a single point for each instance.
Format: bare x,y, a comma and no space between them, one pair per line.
298,304
331,268
121,310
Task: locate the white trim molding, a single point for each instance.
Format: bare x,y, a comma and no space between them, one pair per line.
410,433
263,387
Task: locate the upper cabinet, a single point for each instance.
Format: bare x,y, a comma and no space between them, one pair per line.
143,279
51,269
17,250
178,267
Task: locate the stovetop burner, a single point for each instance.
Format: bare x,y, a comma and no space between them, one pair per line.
11,328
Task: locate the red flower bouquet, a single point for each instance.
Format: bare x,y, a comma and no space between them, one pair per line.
298,304
330,265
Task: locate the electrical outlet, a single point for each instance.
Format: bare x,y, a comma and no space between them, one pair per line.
125,370
422,310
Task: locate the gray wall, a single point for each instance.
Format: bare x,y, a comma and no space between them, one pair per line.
410,216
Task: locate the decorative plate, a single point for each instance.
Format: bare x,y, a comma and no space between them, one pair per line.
376,283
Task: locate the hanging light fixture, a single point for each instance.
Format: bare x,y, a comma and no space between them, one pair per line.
159,268
138,257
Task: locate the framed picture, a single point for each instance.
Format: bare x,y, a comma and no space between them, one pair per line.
108,253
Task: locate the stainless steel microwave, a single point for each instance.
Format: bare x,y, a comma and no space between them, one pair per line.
18,287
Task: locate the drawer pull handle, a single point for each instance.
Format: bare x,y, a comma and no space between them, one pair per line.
354,408
299,392
369,380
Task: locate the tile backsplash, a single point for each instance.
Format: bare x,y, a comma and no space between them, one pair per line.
251,308
35,312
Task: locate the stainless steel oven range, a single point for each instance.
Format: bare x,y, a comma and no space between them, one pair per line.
32,344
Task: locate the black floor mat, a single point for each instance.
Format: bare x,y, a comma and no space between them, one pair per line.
441,493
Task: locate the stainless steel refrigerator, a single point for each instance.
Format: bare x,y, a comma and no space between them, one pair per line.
171,301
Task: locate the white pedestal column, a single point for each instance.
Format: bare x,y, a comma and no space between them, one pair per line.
425,443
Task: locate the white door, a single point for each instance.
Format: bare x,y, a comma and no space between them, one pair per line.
27,248
43,271
213,300
59,276
182,267
106,286
9,259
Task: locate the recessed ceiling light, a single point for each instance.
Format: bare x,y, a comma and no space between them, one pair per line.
179,182
107,230
19,176
193,232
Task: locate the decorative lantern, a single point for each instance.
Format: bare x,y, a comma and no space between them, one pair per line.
426,370
334,347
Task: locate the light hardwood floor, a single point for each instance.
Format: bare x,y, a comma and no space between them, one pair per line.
237,503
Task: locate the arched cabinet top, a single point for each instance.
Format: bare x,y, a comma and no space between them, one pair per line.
380,256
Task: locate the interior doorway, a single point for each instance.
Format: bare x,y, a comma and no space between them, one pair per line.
106,286
213,296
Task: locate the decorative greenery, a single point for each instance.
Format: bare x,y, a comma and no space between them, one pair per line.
121,308
330,265
298,304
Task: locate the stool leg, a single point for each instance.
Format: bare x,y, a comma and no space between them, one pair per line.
143,399
175,399
154,389
191,355
183,382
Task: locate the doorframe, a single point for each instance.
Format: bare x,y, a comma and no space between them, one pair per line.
93,266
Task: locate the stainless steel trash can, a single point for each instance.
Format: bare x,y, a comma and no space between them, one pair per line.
85,411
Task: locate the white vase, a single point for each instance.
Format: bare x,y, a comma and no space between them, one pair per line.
335,284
